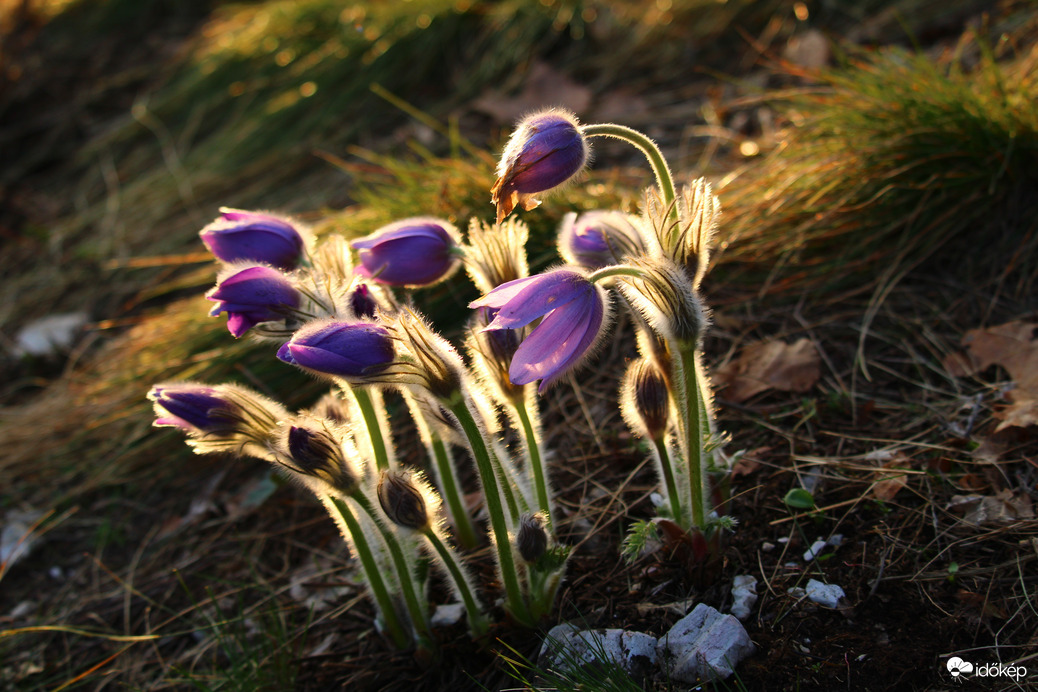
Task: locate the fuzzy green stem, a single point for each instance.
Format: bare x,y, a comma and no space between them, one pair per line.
419,615
668,479
615,270
466,532
396,631
477,621
536,463
378,443
688,405
648,147
498,524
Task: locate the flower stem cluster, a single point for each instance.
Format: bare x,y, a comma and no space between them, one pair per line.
340,320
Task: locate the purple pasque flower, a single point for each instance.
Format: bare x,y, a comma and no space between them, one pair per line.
253,295
599,238
412,252
353,350
254,237
546,150
574,312
191,407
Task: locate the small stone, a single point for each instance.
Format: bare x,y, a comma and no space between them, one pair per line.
567,648
705,644
815,550
744,595
447,614
50,335
828,595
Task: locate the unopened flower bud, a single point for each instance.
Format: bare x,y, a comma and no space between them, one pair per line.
254,237
545,151
352,350
492,352
596,239
496,253
412,252
253,295
663,294
315,451
194,408
644,399
333,408
361,302
532,539
402,502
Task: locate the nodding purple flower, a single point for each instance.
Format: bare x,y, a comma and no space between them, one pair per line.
574,312
352,350
546,150
254,237
191,407
253,295
597,239
412,252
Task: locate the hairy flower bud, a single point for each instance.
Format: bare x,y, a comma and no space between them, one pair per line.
492,351
412,252
315,451
596,239
253,295
254,237
545,151
644,399
402,501
532,539
351,350
496,254
662,292
362,304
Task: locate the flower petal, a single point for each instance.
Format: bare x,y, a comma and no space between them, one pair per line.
559,342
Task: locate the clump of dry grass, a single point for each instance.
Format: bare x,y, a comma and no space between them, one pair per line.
892,159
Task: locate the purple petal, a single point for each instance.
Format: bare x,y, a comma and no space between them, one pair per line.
502,294
558,343
549,292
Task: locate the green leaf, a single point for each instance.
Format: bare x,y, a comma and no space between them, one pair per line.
798,498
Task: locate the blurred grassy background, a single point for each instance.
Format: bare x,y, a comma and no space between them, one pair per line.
845,167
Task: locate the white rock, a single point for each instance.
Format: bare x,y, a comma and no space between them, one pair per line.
567,648
816,548
705,644
447,614
744,595
50,335
828,595
18,538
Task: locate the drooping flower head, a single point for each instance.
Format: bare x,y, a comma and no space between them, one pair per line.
413,252
407,499
644,399
192,407
574,311
253,295
314,450
351,350
597,239
255,237
546,150
224,418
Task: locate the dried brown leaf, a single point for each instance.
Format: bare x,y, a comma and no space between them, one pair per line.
1012,346
767,365
890,481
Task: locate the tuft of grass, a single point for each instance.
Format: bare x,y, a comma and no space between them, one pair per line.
894,161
